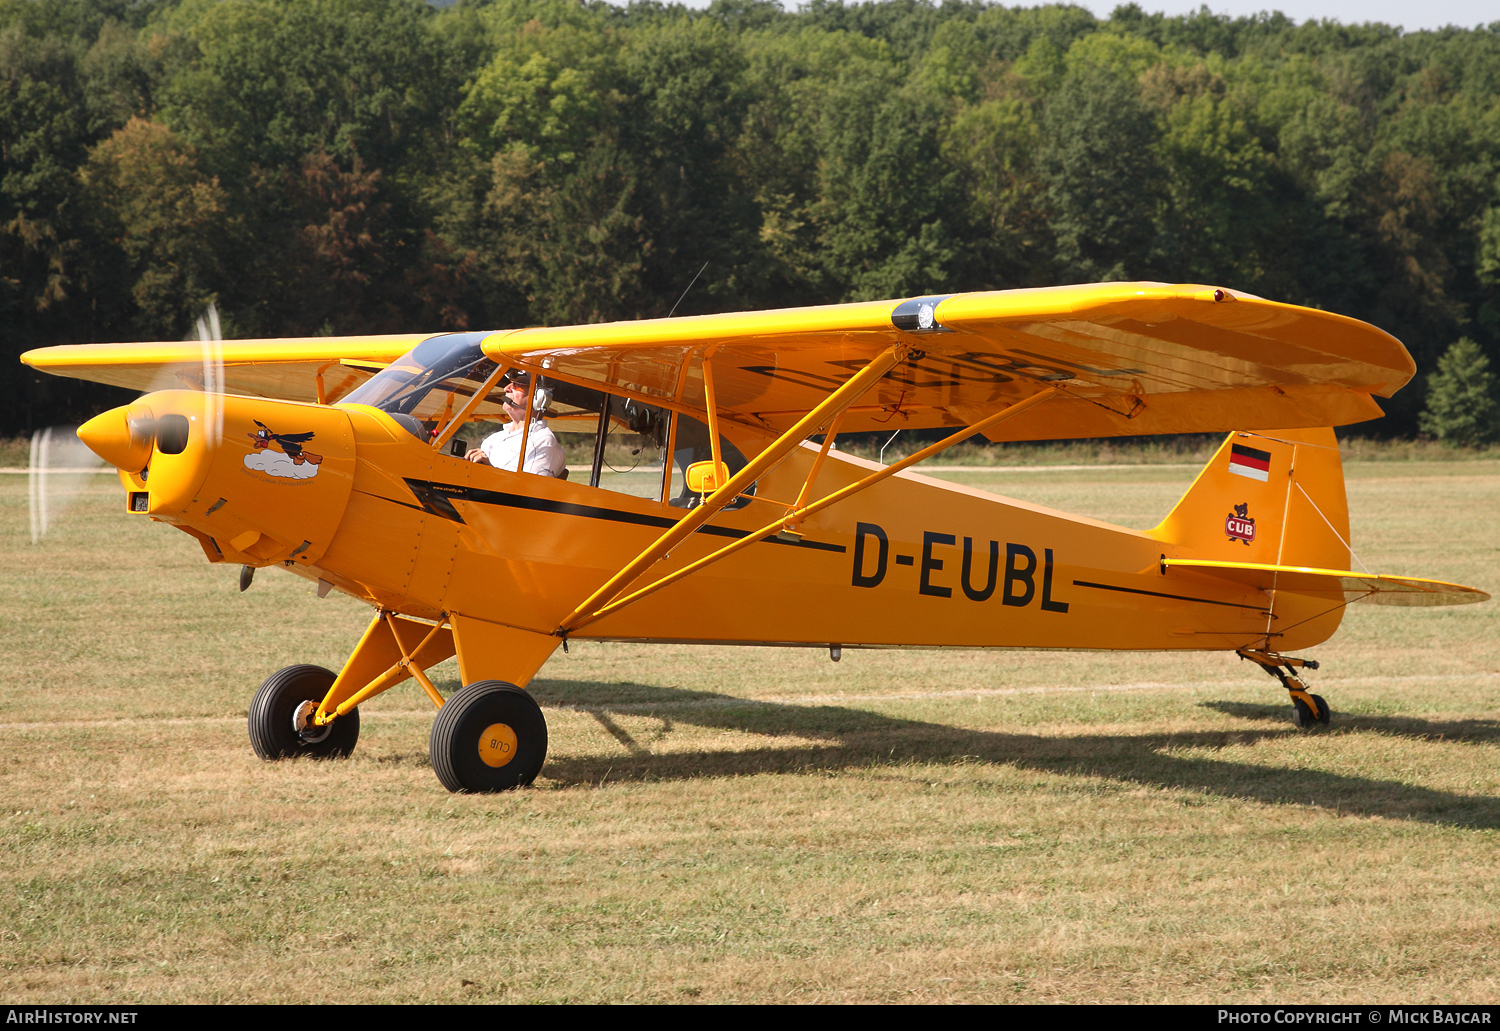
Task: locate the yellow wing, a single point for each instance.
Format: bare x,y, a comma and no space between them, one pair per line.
1334,583
1132,358
296,369
1129,358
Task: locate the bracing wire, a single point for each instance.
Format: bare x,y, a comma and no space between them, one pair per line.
887,444
685,292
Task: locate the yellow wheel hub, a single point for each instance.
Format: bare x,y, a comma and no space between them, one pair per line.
497,745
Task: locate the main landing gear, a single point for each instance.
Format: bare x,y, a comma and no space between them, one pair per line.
281,725
1308,710
488,736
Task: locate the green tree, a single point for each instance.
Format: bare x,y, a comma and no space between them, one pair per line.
1103,180
1462,409
685,80
800,85
277,80
889,201
165,217
46,293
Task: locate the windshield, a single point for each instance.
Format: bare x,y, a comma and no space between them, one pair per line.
431,379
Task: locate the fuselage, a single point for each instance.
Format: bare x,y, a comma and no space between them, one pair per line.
911,561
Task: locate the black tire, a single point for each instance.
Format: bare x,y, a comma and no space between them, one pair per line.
272,732
1304,719
459,742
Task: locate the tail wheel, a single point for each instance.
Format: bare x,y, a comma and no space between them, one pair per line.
488,736
1303,716
281,717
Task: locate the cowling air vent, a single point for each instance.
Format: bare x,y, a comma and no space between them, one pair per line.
919,315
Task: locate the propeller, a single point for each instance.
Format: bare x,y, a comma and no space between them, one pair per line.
213,386
62,468
213,374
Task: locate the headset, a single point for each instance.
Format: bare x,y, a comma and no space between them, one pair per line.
541,398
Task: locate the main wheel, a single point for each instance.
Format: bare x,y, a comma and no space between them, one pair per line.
488,736
1304,719
281,717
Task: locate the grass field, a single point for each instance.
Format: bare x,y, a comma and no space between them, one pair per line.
721,824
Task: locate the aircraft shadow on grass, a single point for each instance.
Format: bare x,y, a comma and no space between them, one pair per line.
1474,732
851,738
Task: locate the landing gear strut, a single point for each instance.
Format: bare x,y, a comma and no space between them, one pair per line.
1308,710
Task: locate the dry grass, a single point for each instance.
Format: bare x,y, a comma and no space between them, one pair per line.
754,824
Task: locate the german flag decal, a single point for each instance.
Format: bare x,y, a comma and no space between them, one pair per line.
1247,461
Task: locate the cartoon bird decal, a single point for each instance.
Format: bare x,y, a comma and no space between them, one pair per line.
289,444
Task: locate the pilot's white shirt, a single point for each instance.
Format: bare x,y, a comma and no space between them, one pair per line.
544,455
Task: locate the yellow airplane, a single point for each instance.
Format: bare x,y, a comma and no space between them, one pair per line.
709,512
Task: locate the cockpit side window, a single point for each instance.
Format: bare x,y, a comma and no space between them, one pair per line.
630,448
610,442
621,442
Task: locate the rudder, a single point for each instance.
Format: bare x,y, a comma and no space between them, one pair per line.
1276,498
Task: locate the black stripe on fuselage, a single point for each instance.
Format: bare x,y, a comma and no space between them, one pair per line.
438,499
1159,594
382,497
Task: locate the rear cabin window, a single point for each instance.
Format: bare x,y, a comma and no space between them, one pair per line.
692,445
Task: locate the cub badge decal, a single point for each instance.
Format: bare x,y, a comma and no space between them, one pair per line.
1239,526
282,454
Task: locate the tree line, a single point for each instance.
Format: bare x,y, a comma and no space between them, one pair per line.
347,166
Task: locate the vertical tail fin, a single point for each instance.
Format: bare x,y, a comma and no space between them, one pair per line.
1275,497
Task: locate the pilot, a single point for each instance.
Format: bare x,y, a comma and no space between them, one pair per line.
544,455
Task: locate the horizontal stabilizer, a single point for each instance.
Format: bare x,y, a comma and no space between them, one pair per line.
1332,583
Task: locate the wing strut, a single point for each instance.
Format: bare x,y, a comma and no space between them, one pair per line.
831,406
801,513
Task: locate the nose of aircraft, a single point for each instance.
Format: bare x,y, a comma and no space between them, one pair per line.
122,436
163,444
257,481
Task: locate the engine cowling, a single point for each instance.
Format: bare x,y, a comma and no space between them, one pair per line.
258,481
